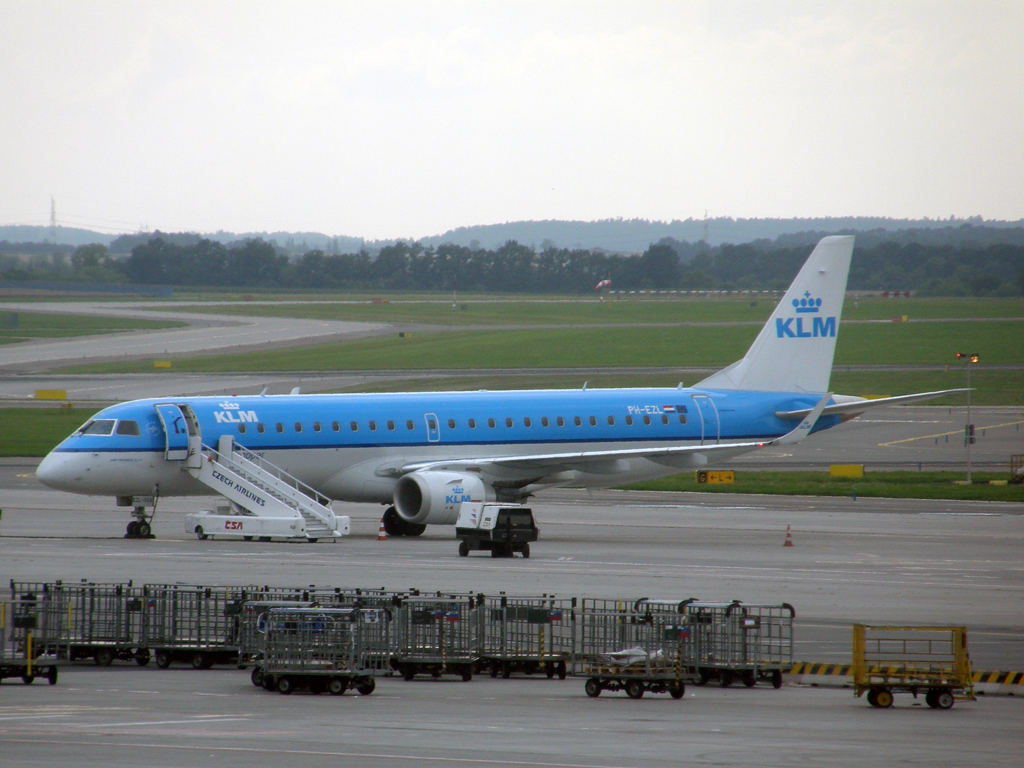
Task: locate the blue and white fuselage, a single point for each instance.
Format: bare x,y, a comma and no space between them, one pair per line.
354,447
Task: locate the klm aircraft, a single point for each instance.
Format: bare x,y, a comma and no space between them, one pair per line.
286,458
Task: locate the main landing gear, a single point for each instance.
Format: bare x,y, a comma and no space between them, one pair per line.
394,525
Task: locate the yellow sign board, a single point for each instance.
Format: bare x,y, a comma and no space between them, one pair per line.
51,394
161,363
713,477
846,470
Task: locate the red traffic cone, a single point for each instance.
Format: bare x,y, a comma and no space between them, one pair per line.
383,536
789,538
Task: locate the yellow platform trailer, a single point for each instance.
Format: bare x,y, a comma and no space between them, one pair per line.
929,660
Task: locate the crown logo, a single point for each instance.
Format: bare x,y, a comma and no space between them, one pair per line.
807,305
235,406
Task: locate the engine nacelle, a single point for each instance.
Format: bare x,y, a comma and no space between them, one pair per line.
435,498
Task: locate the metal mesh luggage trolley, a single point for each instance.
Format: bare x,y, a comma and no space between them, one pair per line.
929,660
439,636
527,634
251,628
84,620
623,649
732,641
193,624
18,656
322,649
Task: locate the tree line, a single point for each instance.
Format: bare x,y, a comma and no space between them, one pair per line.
959,269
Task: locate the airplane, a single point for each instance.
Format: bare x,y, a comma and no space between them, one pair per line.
424,455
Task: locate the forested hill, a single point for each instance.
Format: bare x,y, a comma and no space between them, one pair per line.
609,235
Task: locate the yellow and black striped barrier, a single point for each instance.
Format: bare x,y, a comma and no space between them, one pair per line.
804,669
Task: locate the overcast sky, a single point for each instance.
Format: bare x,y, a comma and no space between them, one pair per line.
405,119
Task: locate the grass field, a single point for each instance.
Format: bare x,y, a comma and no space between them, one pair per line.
43,325
892,485
36,431
892,344
589,311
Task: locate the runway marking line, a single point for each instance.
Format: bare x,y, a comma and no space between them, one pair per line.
944,434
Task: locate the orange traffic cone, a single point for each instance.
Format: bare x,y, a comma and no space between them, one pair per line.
383,536
789,538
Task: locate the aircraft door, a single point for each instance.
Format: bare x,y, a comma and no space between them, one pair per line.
710,427
433,430
175,431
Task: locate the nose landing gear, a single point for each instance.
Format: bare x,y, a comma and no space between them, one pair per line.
142,526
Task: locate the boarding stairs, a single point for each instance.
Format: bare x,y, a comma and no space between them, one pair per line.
257,488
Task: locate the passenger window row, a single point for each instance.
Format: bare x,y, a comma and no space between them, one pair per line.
471,423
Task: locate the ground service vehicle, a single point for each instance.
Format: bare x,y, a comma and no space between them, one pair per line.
501,528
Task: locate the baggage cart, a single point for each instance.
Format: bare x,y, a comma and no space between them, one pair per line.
321,649
192,624
18,656
251,627
622,649
85,620
528,635
436,636
733,641
929,660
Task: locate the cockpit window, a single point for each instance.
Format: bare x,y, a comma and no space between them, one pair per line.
128,428
97,427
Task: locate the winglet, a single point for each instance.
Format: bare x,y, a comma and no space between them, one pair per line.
803,429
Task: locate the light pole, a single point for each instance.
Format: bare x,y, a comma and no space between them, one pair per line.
969,360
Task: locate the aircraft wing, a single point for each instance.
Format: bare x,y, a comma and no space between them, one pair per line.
608,462
852,408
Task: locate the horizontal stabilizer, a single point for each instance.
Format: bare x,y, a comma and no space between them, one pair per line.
860,405
803,429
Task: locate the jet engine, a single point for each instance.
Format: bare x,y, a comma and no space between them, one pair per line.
435,497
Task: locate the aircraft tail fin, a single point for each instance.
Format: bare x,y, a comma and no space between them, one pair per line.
794,350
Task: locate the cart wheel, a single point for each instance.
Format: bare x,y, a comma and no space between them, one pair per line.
703,677
676,689
467,673
409,672
264,538
337,686
142,657
27,679
872,697
199,533
367,686
944,699
463,549
777,679
593,687
103,657
269,683
526,550
725,678
506,670
199,661
562,671
257,676
494,669
163,659
51,675
549,670
285,685
883,698
635,689
749,680
247,538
